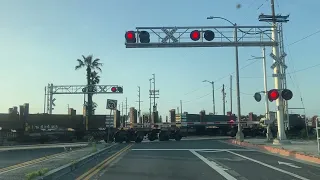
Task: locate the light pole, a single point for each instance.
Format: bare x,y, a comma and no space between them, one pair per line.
269,134
239,135
213,101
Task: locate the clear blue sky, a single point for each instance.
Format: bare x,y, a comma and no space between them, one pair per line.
41,40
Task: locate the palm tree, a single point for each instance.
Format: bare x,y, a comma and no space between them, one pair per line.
95,79
90,64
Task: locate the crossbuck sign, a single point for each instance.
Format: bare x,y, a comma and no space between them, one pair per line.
111,104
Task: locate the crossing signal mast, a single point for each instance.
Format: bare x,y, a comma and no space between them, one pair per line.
204,36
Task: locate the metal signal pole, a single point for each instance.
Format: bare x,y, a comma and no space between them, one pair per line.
139,101
277,79
224,101
231,94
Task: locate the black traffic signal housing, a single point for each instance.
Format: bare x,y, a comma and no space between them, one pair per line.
257,97
209,35
286,94
144,37
274,94
130,37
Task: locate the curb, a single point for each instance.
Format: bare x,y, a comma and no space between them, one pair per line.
67,168
279,151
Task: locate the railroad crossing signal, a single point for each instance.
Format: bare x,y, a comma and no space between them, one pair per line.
257,96
274,94
198,36
111,104
117,89
286,94
130,37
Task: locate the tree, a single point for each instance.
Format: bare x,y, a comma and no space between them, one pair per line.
90,64
95,79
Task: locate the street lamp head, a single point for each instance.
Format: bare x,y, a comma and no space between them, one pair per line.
210,17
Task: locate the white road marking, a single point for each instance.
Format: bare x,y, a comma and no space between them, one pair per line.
214,166
193,150
269,166
289,164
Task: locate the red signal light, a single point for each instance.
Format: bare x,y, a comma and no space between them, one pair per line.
195,35
273,95
130,37
113,89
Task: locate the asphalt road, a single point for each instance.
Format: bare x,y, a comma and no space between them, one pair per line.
193,160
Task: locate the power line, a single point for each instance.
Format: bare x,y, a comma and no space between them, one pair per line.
222,77
202,96
306,37
300,70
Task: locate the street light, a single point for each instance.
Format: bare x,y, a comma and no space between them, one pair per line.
239,135
269,134
213,102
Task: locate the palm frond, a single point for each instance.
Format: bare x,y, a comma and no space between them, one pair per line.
80,64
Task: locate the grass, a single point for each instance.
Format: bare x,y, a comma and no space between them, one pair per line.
94,147
33,175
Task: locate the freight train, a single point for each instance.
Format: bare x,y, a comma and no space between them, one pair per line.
22,127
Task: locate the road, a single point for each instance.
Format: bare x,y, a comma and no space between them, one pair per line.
192,160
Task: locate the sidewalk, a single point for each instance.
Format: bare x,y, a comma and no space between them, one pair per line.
305,150
45,164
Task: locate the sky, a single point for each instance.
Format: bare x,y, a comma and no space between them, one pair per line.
40,41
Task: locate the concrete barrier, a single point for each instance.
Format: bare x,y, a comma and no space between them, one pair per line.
65,169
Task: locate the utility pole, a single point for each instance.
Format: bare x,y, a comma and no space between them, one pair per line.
150,94
231,94
122,119
213,99
154,91
269,134
224,100
277,66
181,107
126,117
139,101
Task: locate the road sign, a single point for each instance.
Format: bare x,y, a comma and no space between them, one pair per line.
169,35
278,61
111,104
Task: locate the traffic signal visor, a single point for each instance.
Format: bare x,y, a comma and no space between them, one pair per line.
273,95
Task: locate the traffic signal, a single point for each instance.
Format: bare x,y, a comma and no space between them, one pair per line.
273,95
286,94
130,37
257,96
209,35
195,35
117,89
144,37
